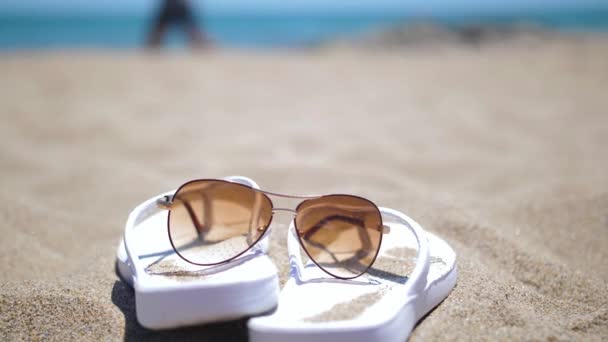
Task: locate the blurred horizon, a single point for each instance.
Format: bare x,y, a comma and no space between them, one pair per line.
58,24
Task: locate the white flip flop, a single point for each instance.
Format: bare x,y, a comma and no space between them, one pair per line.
170,292
414,272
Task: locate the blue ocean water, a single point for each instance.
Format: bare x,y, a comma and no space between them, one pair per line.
251,30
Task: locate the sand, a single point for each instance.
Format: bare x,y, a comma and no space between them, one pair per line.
500,150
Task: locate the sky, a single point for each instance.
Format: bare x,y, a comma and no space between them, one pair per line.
406,6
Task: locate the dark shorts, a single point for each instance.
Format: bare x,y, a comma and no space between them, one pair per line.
175,12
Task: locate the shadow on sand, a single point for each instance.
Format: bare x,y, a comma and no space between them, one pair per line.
124,298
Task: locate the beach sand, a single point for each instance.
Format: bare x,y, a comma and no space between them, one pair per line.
500,150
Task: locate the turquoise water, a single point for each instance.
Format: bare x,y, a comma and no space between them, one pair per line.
251,30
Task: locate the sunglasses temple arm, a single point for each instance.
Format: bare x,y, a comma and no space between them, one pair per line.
254,218
295,257
165,203
263,244
363,236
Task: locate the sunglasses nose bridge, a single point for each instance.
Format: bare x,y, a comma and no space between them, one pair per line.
293,212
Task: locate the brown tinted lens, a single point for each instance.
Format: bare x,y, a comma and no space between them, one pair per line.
213,221
340,233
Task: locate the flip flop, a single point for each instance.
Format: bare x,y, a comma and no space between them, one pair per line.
170,292
414,272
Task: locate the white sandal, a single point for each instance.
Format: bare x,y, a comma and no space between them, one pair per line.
382,305
170,292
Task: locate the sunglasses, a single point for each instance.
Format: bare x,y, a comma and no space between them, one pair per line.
211,222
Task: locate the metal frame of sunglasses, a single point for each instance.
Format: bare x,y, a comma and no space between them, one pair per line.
353,216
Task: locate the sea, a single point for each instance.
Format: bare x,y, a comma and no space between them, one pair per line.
256,30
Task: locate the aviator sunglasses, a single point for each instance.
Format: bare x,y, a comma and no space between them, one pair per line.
211,222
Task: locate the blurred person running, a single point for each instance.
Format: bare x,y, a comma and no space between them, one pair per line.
177,13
